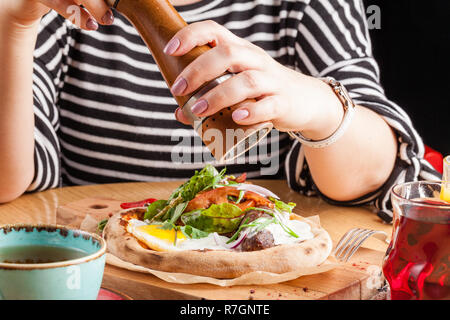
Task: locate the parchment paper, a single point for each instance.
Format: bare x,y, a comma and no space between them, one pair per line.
252,278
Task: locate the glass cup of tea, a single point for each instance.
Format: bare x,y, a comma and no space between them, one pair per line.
417,261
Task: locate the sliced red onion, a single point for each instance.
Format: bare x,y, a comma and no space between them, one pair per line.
241,238
232,245
257,189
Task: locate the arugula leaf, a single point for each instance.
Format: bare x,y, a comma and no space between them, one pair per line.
193,233
179,209
167,211
154,208
215,181
101,225
288,207
207,178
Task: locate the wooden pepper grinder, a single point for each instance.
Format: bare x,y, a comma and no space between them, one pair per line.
157,22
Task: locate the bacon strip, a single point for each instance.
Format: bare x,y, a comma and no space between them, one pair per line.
205,199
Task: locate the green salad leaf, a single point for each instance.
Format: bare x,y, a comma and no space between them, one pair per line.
101,225
175,214
220,218
193,233
223,210
283,206
154,208
207,178
178,211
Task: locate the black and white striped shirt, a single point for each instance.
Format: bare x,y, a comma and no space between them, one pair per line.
104,113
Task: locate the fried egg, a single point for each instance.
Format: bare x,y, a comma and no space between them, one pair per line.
164,240
155,237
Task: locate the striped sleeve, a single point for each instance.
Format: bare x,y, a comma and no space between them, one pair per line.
333,40
49,59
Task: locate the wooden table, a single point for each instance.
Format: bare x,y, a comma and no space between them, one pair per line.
41,207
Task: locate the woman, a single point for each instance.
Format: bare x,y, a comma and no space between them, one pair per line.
102,112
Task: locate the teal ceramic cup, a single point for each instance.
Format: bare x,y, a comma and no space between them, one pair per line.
76,279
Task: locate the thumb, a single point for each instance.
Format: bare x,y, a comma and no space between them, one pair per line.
179,115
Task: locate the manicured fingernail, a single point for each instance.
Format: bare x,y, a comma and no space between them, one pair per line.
240,114
172,46
91,24
108,18
179,86
199,107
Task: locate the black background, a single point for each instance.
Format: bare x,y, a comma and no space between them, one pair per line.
279,309
413,50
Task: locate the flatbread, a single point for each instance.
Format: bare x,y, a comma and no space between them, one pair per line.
221,264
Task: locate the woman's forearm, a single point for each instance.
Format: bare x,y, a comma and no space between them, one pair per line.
16,109
359,162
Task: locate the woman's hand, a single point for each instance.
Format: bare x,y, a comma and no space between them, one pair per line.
28,12
19,23
291,100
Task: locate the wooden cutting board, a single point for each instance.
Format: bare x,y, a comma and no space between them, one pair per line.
359,279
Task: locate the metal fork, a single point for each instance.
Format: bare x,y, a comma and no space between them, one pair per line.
353,239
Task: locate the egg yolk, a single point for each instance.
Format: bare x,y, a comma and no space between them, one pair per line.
161,234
